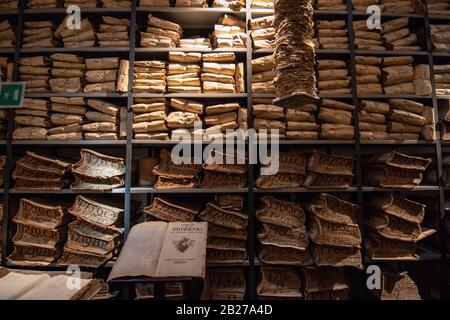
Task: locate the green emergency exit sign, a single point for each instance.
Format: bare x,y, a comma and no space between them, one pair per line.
11,94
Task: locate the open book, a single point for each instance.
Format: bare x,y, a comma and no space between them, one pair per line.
159,249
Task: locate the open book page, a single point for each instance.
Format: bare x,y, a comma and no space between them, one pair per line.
184,250
15,284
140,253
55,288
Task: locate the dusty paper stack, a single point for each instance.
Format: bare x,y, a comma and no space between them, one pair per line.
441,79
170,210
75,38
32,120
331,34
102,74
183,72
336,120
366,39
38,34
236,5
401,6
161,33
175,176
7,35
67,118
440,37
445,120
8,4
397,286
291,172
221,117
149,119
227,229
261,4
154,3
146,291
115,3
114,32
333,77
331,4
40,234
282,235
35,72
361,5
397,35
102,123
372,120
149,76
334,232
263,75
34,171
263,32
438,7
398,75
393,225
42,4
269,117
224,284
394,170
81,3
191,3
229,32
95,236
97,171
279,283
368,74
222,74
67,73
195,42
325,284
329,171
191,111
223,175
294,50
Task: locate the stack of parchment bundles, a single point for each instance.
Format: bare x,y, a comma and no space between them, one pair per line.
397,35
438,7
227,229
183,72
229,32
236,5
38,34
263,32
42,4
171,210
325,283
397,286
149,76
279,283
75,38
34,171
332,34
398,75
224,284
6,69
41,232
394,170
440,37
282,236
67,73
294,49
441,79
410,120
195,42
67,118
81,3
368,73
329,171
263,75
330,5
115,3
445,120
154,3
402,6
337,120
365,38
99,172
333,77
334,232
372,120
361,5
35,72
393,225
149,119
222,117
261,4
32,120
270,118
223,175
220,73
161,33
101,74
191,3
7,35
146,291
95,236
102,123
291,172
9,4
175,176
188,109
114,32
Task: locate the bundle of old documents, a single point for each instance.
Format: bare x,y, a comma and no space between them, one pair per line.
67,73
224,284
161,33
229,32
7,35
441,74
149,119
263,75
263,32
397,286
332,34
36,73
336,119
83,36
398,36
365,38
38,34
332,4
114,32
217,173
279,283
149,76
333,77
183,72
101,74
325,284
438,7
146,291
261,4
